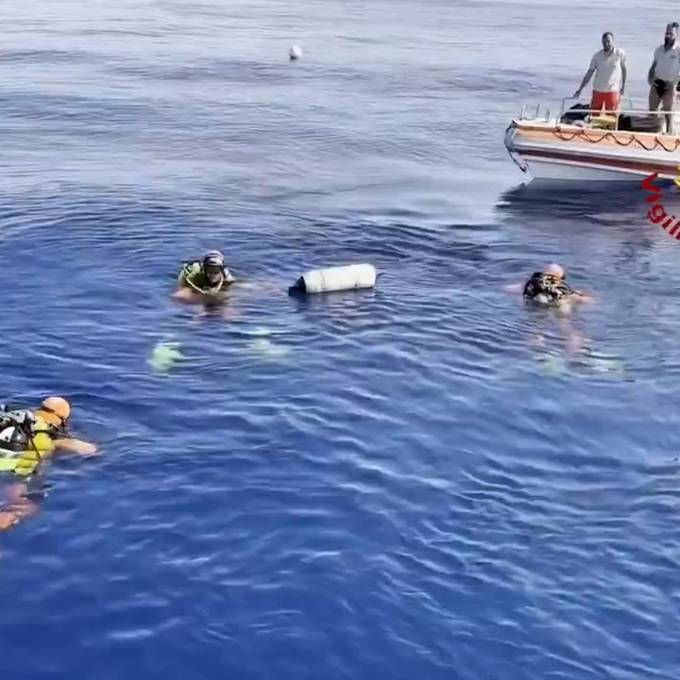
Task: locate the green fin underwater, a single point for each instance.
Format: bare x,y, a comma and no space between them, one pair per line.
165,355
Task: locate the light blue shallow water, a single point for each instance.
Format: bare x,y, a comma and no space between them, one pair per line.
414,481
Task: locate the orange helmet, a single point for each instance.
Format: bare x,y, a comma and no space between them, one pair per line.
55,411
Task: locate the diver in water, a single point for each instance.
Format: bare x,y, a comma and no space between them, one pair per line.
26,439
205,282
203,279
549,287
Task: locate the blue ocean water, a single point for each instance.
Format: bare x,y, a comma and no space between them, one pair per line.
422,480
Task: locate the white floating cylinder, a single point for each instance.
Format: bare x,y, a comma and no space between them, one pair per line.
295,52
348,277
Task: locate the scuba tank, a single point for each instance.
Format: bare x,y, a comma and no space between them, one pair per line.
545,288
14,438
14,445
18,451
20,417
347,277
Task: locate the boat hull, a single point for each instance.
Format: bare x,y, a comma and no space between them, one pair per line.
550,168
568,153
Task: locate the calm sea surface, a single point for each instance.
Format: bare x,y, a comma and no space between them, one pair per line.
425,480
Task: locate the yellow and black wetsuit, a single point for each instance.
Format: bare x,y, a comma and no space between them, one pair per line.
546,288
193,276
25,461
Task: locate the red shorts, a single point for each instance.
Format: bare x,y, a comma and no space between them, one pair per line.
610,101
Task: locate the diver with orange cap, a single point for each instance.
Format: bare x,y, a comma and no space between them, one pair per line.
201,279
26,440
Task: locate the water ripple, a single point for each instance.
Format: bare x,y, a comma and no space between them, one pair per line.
426,479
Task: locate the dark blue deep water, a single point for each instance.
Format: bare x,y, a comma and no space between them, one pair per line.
425,480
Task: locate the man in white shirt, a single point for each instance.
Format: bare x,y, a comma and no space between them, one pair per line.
664,75
609,67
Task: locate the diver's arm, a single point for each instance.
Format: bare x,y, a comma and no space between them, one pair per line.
8,519
514,288
651,73
184,294
581,296
185,291
193,297
75,446
18,508
12,514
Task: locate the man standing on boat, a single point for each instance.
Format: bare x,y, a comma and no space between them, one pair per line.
664,74
609,67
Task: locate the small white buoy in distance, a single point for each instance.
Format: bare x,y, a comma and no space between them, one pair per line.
295,52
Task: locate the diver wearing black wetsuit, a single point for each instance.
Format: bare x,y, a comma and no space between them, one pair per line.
547,288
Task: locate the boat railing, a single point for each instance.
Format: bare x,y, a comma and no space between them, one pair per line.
615,116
